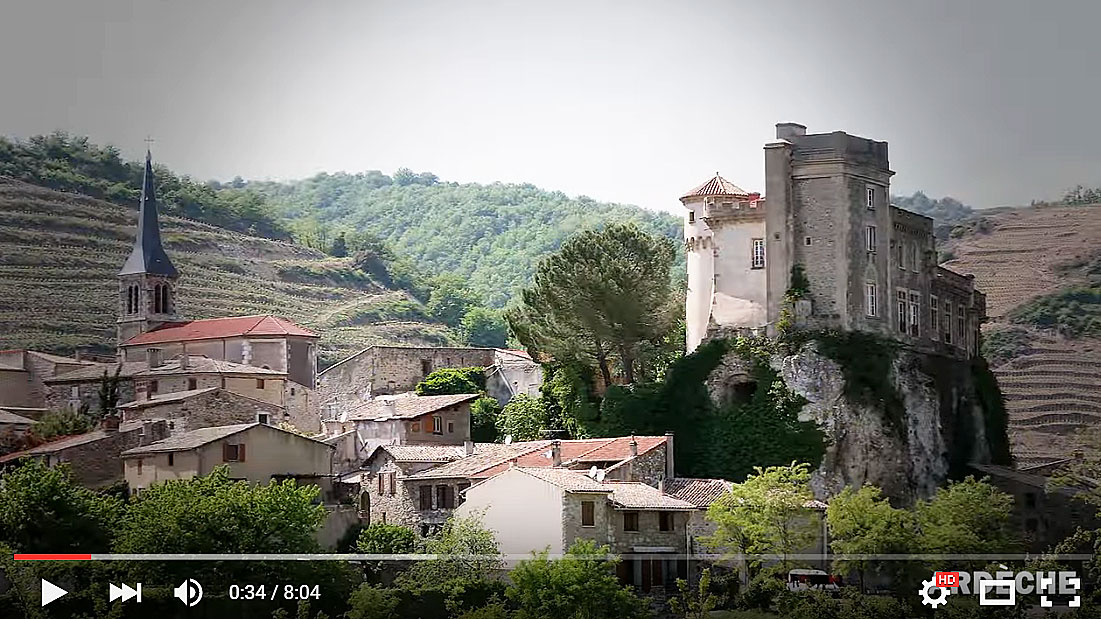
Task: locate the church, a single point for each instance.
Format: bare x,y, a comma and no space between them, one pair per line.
200,372
826,246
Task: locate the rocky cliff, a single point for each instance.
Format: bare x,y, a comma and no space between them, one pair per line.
899,419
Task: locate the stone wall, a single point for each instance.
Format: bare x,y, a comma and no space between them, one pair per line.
98,463
384,370
648,467
214,408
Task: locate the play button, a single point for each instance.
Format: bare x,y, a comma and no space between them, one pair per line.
51,592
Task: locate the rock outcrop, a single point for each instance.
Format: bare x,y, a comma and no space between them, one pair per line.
908,447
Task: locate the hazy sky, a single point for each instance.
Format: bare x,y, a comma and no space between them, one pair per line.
993,102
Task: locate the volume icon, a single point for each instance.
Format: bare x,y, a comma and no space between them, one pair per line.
125,592
189,592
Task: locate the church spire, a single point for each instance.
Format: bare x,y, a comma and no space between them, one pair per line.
148,255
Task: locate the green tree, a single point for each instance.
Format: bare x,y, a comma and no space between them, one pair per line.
483,420
524,418
340,246
462,575
484,327
453,381
695,603
60,423
766,514
109,392
381,538
1078,474
966,517
582,585
374,602
468,551
604,299
861,522
43,510
450,300
214,514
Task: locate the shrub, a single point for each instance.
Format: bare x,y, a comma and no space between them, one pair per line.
1005,345
384,538
446,381
1075,312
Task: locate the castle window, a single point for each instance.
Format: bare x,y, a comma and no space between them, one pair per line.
934,315
870,192
902,311
915,302
437,424
157,299
259,383
164,299
758,256
691,217
450,427
947,322
869,239
192,384
806,241
870,301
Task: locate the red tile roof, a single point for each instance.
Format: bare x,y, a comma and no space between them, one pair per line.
218,328
717,186
576,452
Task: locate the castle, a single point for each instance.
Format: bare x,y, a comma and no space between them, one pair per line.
868,265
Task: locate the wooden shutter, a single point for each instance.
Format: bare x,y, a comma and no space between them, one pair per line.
225,452
241,452
426,497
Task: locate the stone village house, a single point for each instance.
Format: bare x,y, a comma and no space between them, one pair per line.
95,457
535,509
419,486
389,370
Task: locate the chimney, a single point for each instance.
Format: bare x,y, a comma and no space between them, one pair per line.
141,391
147,432
556,454
468,447
185,361
512,463
661,484
669,474
787,131
633,445
78,354
110,423
153,357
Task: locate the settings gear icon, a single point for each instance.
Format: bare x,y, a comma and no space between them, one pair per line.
932,595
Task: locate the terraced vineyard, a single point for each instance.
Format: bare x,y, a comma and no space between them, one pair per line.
59,254
1052,386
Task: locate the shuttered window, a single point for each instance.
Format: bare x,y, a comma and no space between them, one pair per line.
588,514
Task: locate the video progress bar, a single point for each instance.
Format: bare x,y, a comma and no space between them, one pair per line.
521,557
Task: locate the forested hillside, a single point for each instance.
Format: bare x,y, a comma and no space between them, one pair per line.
491,235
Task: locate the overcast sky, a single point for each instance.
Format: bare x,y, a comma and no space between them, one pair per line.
993,102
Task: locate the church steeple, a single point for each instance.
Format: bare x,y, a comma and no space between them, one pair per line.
147,282
148,254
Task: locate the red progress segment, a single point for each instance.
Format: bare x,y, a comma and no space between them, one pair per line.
52,557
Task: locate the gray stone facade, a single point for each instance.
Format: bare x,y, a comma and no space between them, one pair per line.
870,266
94,458
389,370
205,409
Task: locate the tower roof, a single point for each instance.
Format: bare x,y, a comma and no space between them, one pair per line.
148,255
717,186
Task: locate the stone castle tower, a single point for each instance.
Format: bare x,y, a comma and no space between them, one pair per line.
147,281
870,266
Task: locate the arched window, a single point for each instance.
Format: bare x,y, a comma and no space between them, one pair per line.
365,506
165,308
133,299
157,299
